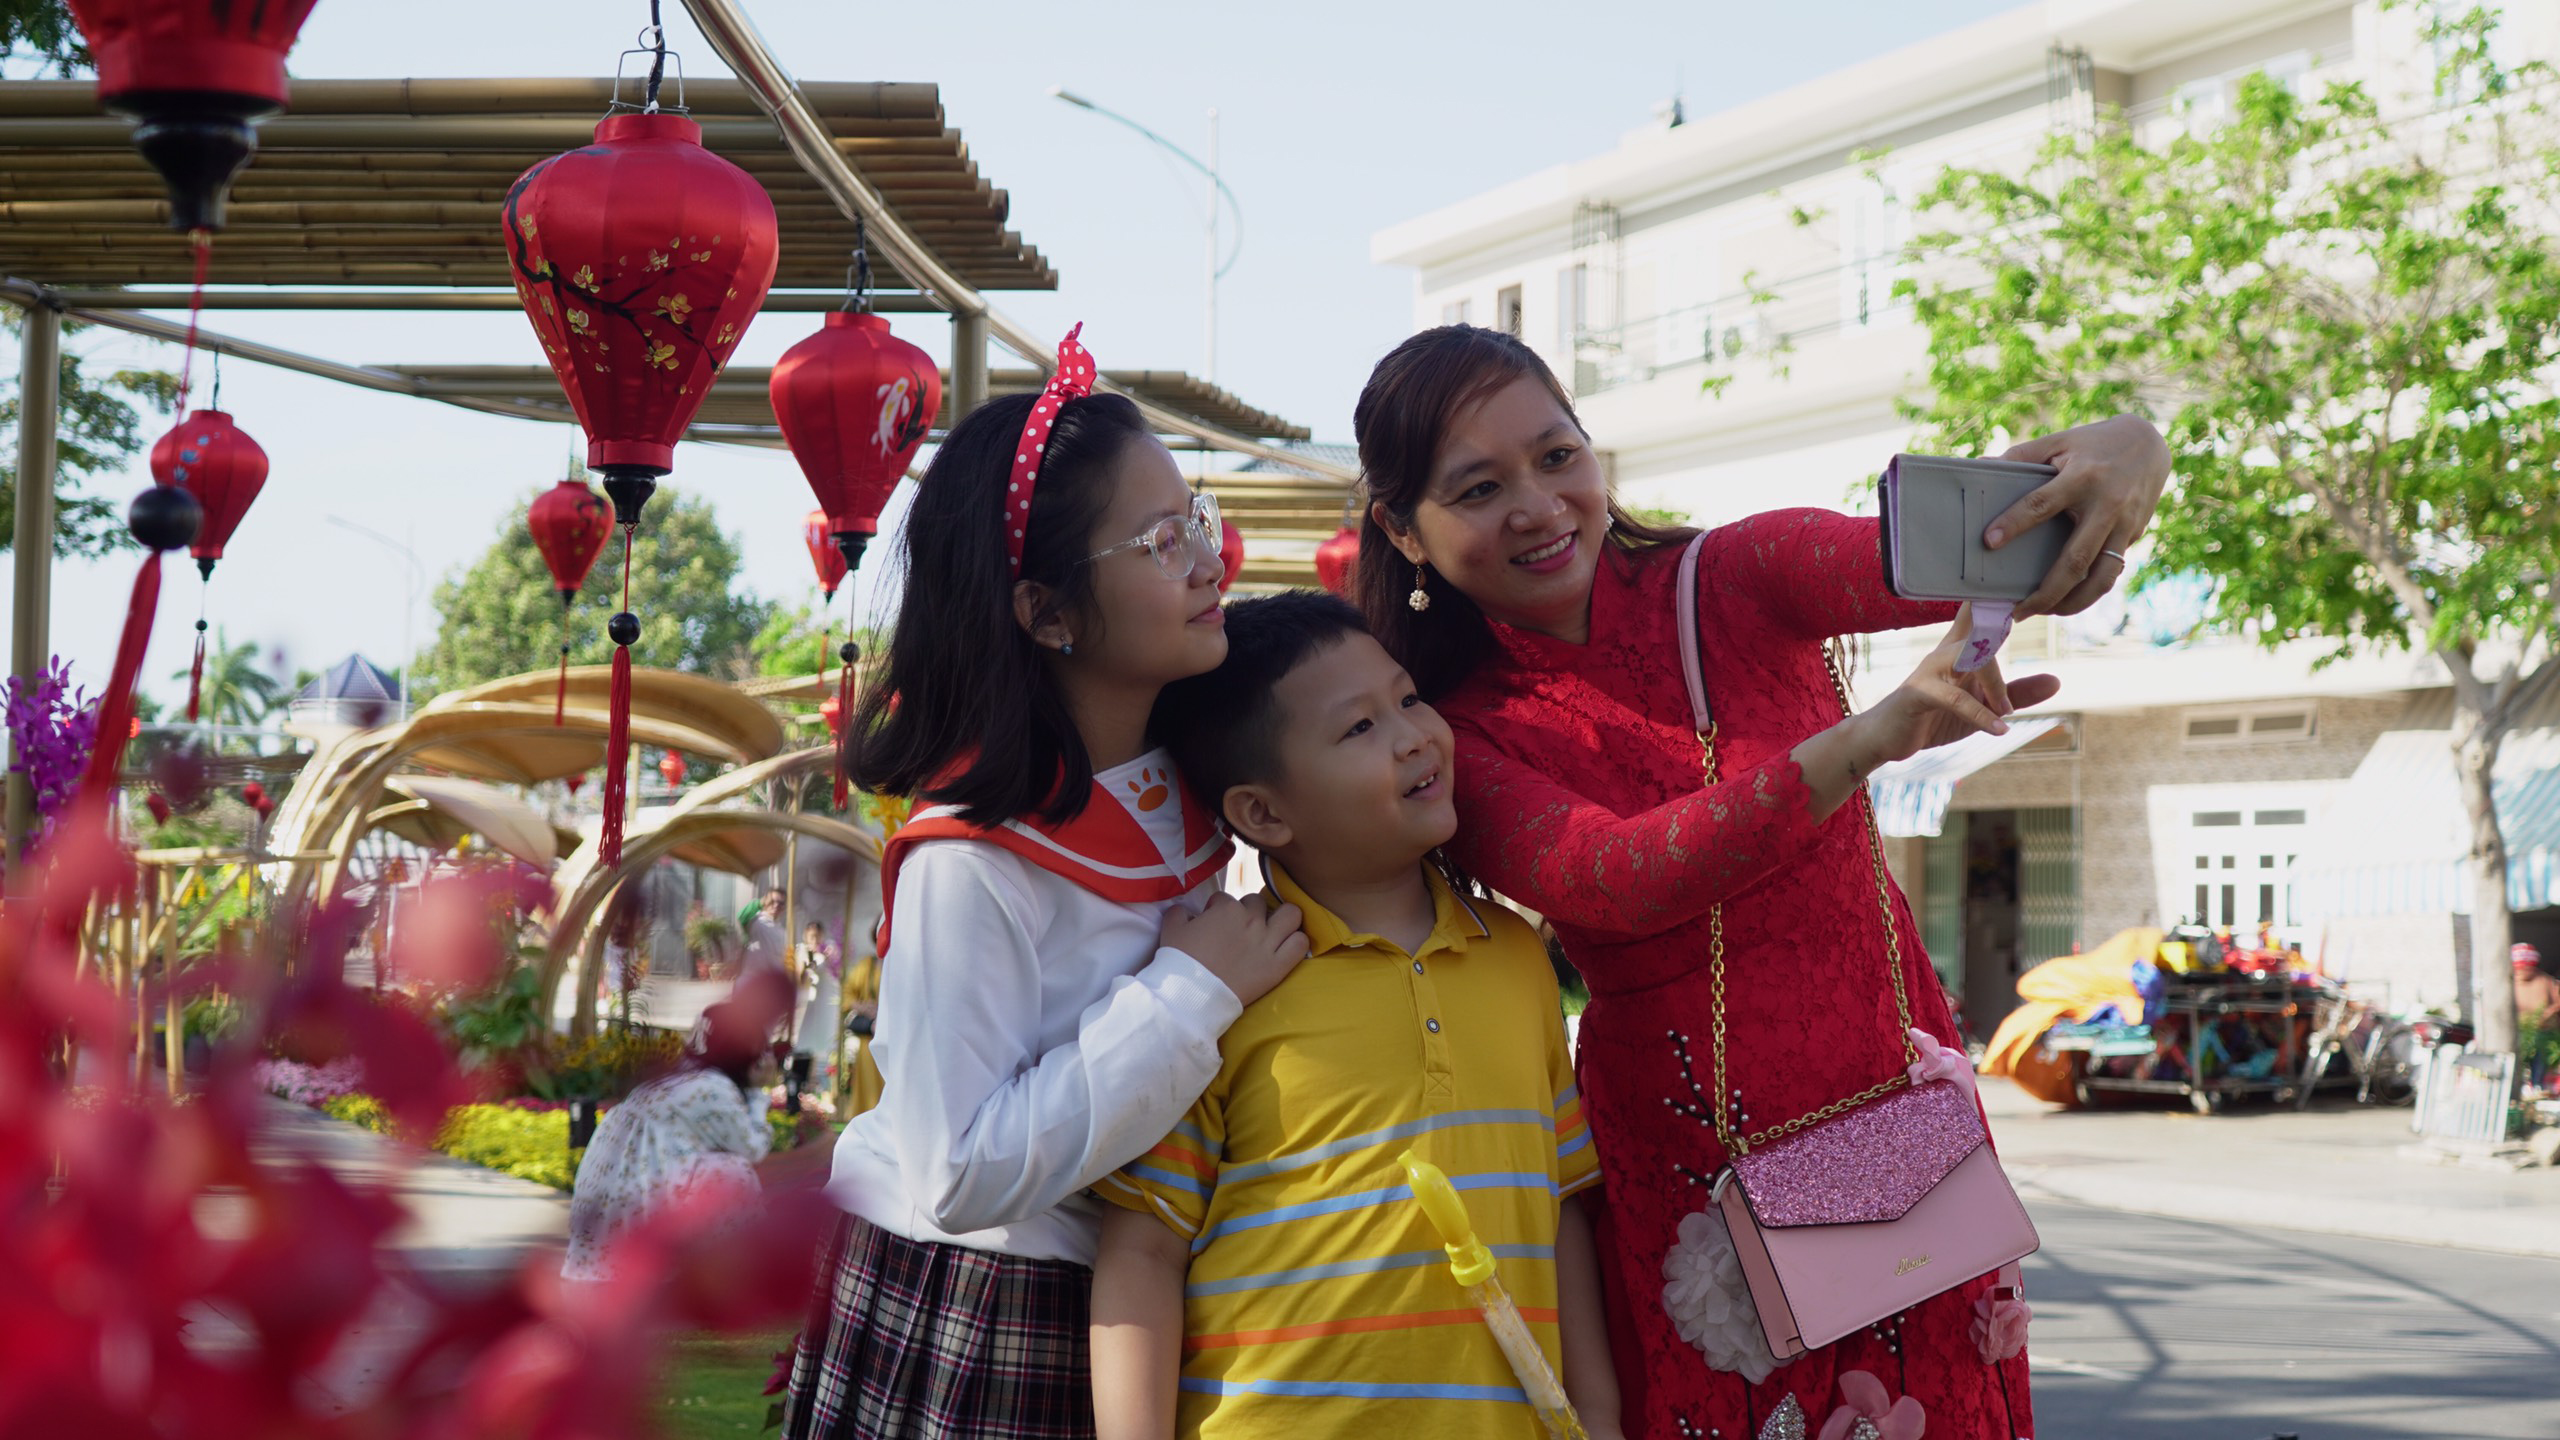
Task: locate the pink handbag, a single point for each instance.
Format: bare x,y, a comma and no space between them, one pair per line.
1869,1205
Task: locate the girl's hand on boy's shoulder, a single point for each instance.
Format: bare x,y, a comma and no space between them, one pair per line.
1248,944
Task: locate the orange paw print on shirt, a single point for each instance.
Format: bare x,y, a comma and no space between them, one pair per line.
1152,788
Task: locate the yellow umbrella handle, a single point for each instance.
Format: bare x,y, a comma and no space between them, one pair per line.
1469,1260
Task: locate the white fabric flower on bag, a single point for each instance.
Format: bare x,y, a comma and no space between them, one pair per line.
1710,1303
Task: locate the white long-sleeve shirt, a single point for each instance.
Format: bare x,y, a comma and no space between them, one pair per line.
1032,1037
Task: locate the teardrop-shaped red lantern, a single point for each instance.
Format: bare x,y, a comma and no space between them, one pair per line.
1230,553
571,527
215,461
671,769
194,75
818,533
855,402
640,260
1335,559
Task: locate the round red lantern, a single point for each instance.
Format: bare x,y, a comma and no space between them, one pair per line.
194,76
640,260
1230,553
571,527
671,769
854,402
817,532
1336,558
216,462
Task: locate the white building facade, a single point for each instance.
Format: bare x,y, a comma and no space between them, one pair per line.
1719,296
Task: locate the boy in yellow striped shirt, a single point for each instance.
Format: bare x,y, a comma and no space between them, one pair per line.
1264,1270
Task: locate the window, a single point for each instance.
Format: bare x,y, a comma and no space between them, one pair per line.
2282,817
2207,819
1573,299
1458,312
1506,310
2277,724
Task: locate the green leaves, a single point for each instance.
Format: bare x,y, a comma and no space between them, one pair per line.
2342,319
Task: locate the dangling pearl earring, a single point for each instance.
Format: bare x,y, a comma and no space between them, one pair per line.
1420,599
1068,648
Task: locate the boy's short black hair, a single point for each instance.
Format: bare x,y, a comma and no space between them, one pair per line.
1224,727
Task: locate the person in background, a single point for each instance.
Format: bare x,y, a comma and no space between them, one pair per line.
699,1126
814,1038
2537,994
767,947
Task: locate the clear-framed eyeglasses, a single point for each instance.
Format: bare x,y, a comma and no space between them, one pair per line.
1178,542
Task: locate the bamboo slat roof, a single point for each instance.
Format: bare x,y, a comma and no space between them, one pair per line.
740,396
398,183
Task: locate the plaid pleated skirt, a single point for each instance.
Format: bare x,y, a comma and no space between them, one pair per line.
938,1342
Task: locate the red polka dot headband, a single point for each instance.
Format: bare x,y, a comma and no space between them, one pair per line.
1073,381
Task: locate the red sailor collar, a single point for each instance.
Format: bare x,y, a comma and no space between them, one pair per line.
1103,849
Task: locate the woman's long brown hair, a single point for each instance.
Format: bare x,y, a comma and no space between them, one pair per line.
1401,421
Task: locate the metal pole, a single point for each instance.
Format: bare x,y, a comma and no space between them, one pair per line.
724,23
968,363
1209,364
30,631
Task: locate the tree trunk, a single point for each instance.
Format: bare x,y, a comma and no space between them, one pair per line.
2475,754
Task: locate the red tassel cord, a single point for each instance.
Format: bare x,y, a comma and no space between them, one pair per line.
560,696
195,676
844,729
617,763
115,708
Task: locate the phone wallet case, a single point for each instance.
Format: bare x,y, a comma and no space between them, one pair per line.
1935,510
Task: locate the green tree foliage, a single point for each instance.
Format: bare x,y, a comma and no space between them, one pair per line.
41,31
2347,321
501,617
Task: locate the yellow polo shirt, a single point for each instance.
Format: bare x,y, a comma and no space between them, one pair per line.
1319,1298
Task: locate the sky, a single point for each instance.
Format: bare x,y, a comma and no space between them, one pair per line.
1335,121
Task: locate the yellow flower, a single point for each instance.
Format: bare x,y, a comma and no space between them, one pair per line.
524,223
675,307
546,304
727,334
663,354
657,261
699,256
578,320
541,266
585,279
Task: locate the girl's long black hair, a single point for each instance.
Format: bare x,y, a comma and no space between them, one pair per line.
964,712
1403,417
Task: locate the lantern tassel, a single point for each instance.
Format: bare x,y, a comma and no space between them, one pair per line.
622,629
617,765
560,696
844,708
115,708
195,675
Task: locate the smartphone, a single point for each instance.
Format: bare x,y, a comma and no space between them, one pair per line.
1935,510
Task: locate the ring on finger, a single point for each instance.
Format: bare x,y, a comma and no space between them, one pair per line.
2115,555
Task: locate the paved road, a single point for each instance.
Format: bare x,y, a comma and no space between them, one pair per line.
2159,1329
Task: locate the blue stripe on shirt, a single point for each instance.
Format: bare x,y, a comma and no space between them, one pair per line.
1348,1390
1342,1268
1406,1131
1365,1199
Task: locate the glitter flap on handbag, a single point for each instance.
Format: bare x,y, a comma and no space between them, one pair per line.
1873,1163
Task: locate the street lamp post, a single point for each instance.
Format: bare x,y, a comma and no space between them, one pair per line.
409,611
1217,189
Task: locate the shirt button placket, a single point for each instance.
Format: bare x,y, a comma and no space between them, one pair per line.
1439,1092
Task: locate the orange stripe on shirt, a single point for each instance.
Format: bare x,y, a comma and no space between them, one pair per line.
1189,1160
1356,1325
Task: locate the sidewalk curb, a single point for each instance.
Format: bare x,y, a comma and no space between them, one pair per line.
2531,1232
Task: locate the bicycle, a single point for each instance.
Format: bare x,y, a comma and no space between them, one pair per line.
2380,1048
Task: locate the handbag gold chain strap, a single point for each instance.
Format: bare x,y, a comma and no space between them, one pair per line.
1735,1142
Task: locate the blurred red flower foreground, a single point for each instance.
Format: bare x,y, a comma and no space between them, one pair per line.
127,1215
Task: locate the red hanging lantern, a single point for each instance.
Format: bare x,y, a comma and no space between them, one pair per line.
1230,553
817,531
255,795
216,462
640,260
575,783
671,769
195,76
1336,558
571,527
854,402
